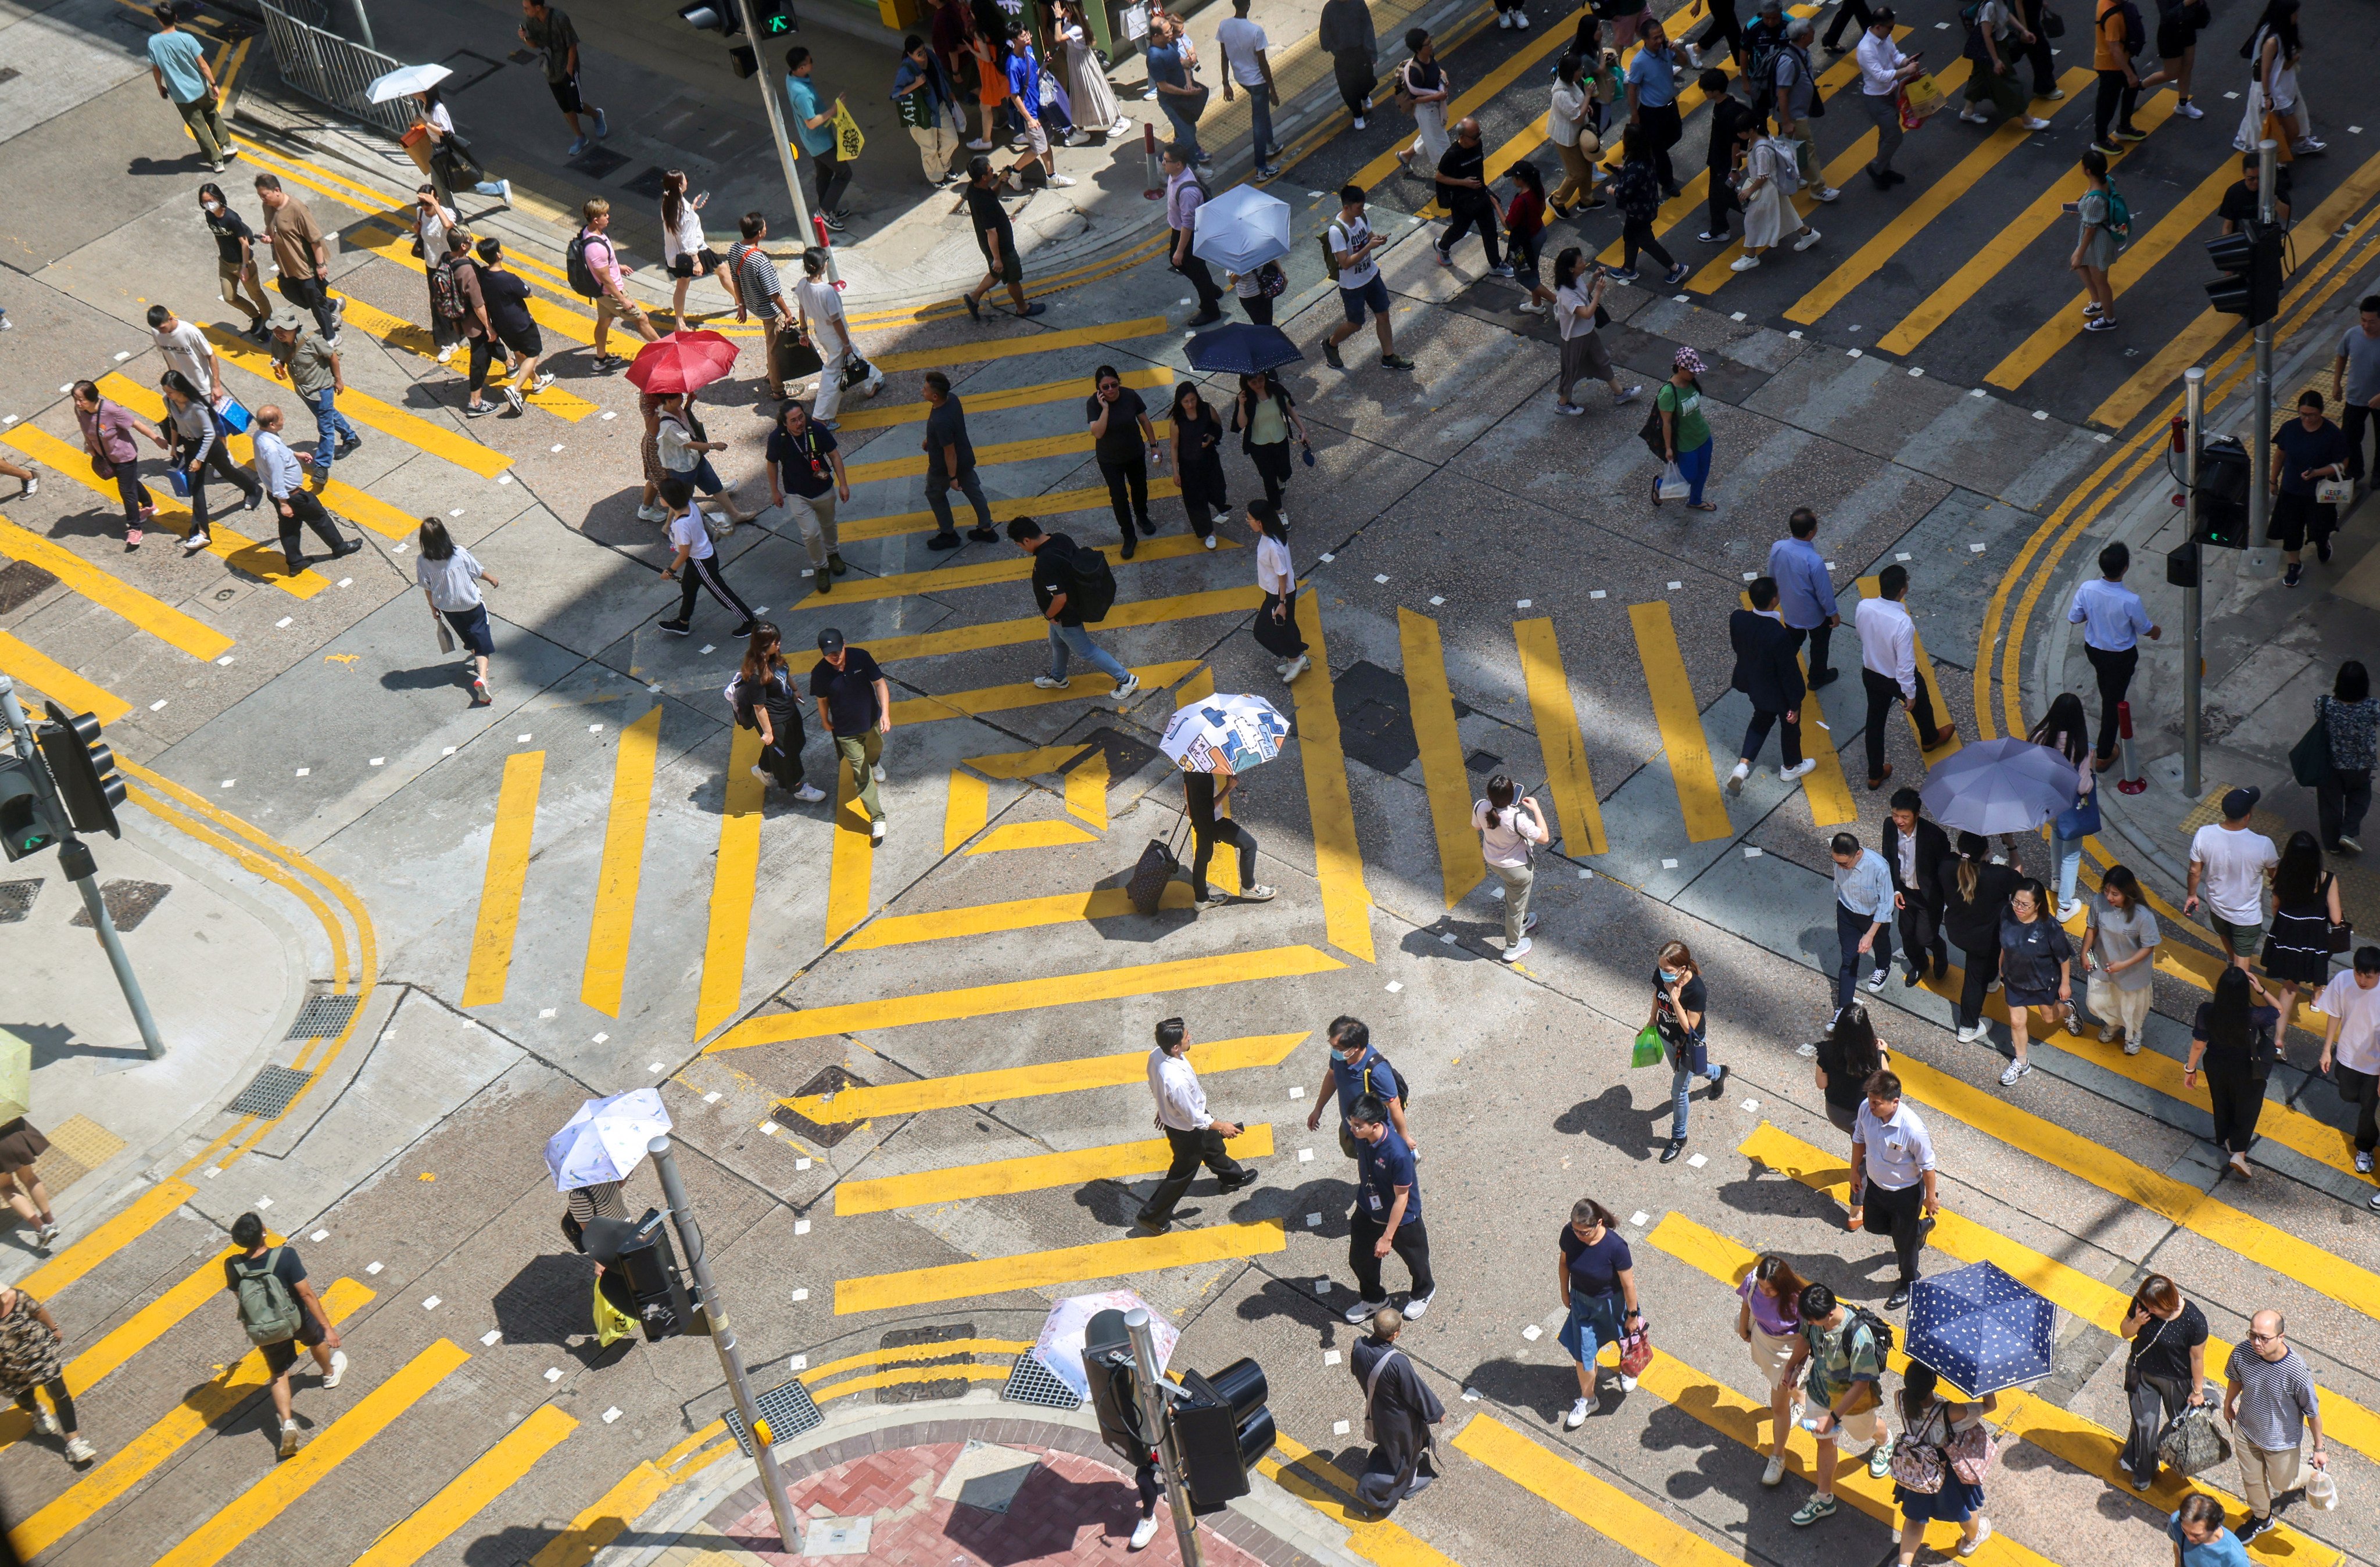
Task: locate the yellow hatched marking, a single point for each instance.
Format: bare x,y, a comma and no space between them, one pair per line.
1444,780
160,620
144,1328
399,333
1327,1489
1559,740
1025,693
467,1495
1870,588
1005,1177
1072,1264
998,451
1005,1083
967,811
992,919
1033,628
608,1517
1608,1510
1682,723
391,245
1032,835
734,881
1074,389
450,445
981,349
29,667
851,868
989,574
144,1213
2000,252
606,970
1058,502
1337,858
505,877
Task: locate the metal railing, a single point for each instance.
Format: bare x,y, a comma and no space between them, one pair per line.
334,71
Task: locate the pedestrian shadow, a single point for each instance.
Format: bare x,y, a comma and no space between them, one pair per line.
1431,941
1546,1391
551,1300
178,168
1613,1118
1280,1298
428,677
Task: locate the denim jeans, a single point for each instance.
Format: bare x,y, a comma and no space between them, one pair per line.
1681,1084
1695,468
1065,640
330,427
2067,854
1260,120
1849,928
1186,126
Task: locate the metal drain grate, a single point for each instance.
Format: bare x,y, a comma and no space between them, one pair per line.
270,1095
1029,1381
322,1015
17,900
786,1410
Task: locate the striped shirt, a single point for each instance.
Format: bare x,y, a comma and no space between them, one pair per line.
2276,1397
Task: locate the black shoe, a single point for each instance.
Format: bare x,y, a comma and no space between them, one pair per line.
1129,544
1670,1153
744,630
1330,356
1247,1178
1154,1227
1881,178
1207,317
255,498
1898,1299
676,628
1718,1084
1822,677
944,541
975,307
834,563
2256,1526
823,581
350,446
349,548
1915,978
1894,176
984,536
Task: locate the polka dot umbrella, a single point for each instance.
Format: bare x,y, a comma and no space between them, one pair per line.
1980,1329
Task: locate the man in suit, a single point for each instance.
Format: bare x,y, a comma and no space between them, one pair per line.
1914,850
1768,671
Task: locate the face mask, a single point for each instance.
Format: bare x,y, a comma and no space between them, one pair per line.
1669,979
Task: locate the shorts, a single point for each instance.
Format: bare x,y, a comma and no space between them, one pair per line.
1037,139
279,1357
528,341
2174,40
609,309
471,629
2246,940
565,94
1374,294
1010,267
684,266
1854,1434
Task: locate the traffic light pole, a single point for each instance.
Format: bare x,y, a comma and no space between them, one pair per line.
2194,386
1150,1384
772,100
74,859
723,1338
2260,450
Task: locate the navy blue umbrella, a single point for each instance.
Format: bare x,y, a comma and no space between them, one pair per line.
1242,348
1980,1329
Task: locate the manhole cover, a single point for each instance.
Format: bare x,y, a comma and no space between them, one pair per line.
597,162
128,903
786,1410
17,900
270,1095
833,1080
21,581
322,1017
920,1338
1483,761
649,183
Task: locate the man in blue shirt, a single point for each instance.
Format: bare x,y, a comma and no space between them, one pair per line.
1862,916
1653,101
1355,1070
1387,1214
921,93
2112,619
814,133
1805,594
178,63
1182,100
2199,1538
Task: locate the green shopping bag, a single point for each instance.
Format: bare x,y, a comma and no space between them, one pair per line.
1650,1051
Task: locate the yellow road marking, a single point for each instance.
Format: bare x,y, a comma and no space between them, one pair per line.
1870,588
1056,282
997,452
132,1463
985,348
1023,995
1005,1083
1033,628
1432,704
1058,502
1471,99
1558,741
851,867
906,1354
233,550
144,1213
1931,204
1824,787
144,1328
1015,568
1998,254
1025,693
31,668
911,1374
451,445
507,876
624,860
467,1495
1337,858
608,1517
966,811
1608,1510
990,919
1072,1264
1032,835
157,618
2187,216
1074,389
1005,1177
399,333
389,245
734,881
1322,1486
1682,723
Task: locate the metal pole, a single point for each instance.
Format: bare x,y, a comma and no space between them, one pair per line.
2193,385
2261,443
771,101
1151,1383
723,1338
363,25
74,859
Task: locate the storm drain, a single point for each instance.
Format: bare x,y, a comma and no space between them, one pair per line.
128,903
786,1410
322,1015
17,900
270,1095
1029,1381
818,1134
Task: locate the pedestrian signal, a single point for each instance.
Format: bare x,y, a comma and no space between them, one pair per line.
25,825
2251,262
84,768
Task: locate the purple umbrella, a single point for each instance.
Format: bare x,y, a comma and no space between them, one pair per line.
1999,786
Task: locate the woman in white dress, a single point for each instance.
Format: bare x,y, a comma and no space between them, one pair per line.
1087,86
685,249
2273,87
1766,182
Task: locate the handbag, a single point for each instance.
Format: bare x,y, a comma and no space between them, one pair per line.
178,480
1271,282
795,358
446,632
2080,818
1635,1351
1648,1052
2334,492
2193,1442
2310,757
101,467
2054,26
1971,1453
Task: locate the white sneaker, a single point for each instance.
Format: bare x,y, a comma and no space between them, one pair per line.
2189,110
2015,1070
809,794
1993,988
1577,1416
446,353
1125,692
760,773
1982,1526
877,772
1743,263
1361,1311
1808,764
1050,682
338,1368
1210,541
652,514
1061,180
1974,118
1807,238
1518,950
2036,123
1627,1382
1693,56
1417,1305
1358,122
1504,20
2362,1164
1969,1036
1260,893
1876,979
79,1451
1520,20
1144,1531
1735,779
1295,667
47,1424
2069,908
1774,1475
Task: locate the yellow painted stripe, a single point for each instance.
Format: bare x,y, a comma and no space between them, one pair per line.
133,1462
438,441
232,548
1023,995
1870,588
464,1496
31,668
1431,705
1074,389
1032,835
911,1374
1337,858
507,876
1608,1510
2185,219
851,867
1025,693
1682,723
1067,1265
1005,1177
735,882
576,326
160,620
1471,99
608,1517
1033,628
1558,741
1058,502
1005,1083
1931,204
1015,567
998,451
1998,254
1056,282
1330,1490
967,811
623,861
992,919
115,1233
1825,788
985,348
401,334
906,1354
144,1328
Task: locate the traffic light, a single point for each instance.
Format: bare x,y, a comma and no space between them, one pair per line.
775,18
84,768
720,17
25,825
2251,262
2223,476
654,1278
1115,1394
1220,1430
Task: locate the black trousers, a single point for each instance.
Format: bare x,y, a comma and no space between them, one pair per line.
1816,637
694,577
306,511
2115,672
2157,1401
2045,70
1279,637
783,761
1128,492
1921,936
834,179
2355,418
1412,1244
1467,214
1883,690
1899,1214
1662,128
1853,12
1982,968
2238,1100
1849,925
1224,830
1258,306
218,462
2362,1090
61,1402
1723,202
1788,740
309,294
1194,269
1355,79
2115,93
1724,25
1636,235
2339,804
1190,1151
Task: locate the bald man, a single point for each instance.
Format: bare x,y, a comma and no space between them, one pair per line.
1463,192
2270,1401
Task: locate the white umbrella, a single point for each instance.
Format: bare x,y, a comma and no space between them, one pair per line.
605,1139
405,82
1240,230
1224,734
1060,1347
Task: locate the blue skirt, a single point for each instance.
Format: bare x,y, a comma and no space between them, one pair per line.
1956,1502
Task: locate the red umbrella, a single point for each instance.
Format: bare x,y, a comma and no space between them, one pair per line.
682,362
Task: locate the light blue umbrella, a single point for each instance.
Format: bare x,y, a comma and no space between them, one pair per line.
605,1139
1240,230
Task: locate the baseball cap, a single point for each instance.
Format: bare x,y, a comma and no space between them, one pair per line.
830,642
2237,802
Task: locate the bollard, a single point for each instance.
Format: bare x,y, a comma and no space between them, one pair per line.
2128,779
1155,190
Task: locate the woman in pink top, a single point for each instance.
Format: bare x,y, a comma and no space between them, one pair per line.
107,431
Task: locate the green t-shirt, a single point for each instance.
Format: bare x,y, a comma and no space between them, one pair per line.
1691,429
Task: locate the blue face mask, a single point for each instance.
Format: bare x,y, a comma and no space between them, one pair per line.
1669,979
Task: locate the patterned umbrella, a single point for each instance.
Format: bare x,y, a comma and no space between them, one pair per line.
1060,1347
605,1139
1980,1329
1224,734
682,362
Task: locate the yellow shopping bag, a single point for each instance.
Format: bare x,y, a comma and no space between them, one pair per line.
1926,95
612,1324
847,139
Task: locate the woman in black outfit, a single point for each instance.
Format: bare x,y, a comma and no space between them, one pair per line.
764,698
1199,461
2164,1372
2305,905
1975,893
1847,1059
2233,1042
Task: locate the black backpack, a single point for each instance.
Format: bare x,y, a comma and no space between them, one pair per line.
1090,585
1876,1325
574,265
2136,36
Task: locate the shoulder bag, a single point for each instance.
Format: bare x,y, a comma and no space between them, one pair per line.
1972,1451
1371,1391
2310,757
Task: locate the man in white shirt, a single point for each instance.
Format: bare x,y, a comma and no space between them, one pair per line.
821,311
1884,71
2351,1048
694,557
293,503
1243,57
1888,668
2113,619
1362,290
1892,1169
2235,865
1196,1137
186,349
